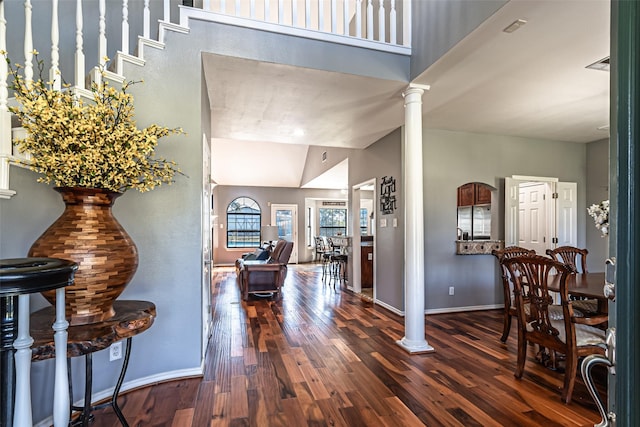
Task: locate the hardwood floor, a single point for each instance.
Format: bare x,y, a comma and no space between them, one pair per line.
326,357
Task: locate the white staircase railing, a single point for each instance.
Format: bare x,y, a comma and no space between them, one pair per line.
375,24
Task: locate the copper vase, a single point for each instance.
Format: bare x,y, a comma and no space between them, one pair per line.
88,233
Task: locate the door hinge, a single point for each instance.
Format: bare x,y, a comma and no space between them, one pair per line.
554,195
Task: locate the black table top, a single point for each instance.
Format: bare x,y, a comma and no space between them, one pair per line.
30,275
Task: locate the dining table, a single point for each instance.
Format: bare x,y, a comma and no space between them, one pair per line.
590,285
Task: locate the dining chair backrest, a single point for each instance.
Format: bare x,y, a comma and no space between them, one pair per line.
549,326
575,258
507,284
511,252
535,271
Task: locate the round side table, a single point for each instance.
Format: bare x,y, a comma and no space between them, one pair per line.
20,277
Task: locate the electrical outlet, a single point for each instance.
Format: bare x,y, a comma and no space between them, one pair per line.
451,290
115,351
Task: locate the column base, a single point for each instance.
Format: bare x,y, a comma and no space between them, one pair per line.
415,347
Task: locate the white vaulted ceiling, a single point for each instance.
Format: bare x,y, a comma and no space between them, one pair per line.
529,83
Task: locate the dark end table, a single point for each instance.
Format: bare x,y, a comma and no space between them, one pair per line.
131,318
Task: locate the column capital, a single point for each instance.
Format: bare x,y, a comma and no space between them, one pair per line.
416,88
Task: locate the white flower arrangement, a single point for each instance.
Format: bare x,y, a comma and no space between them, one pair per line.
600,214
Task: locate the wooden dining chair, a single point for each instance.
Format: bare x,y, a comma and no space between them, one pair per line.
507,284
576,259
566,334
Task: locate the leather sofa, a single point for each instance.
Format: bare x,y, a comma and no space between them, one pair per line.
264,277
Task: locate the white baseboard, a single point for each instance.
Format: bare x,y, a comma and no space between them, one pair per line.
130,385
461,309
388,307
442,310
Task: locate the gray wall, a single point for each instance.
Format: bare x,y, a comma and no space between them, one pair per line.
433,33
455,158
384,159
597,191
164,223
264,196
314,166
265,46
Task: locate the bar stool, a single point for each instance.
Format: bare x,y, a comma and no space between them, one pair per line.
339,266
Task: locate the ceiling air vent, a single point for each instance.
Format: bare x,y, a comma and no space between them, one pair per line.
602,65
515,25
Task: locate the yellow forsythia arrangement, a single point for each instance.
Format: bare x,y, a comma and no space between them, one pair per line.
96,144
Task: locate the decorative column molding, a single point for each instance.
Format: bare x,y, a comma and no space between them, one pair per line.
146,20
381,23
54,72
406,23
125,27
79,55
414,339
28,43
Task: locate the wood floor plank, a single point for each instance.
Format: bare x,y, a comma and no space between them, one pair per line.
401,414
240,407
183,418
218,412
323,356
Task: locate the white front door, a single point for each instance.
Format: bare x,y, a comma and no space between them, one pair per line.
286,218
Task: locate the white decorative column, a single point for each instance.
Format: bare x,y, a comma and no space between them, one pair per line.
414,340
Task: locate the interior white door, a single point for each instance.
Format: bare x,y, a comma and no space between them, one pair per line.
532,216
511,211
561,214
206,245
286,218
567,214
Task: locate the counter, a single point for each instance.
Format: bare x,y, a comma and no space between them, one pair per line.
478,247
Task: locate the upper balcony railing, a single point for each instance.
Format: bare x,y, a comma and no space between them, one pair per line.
383,21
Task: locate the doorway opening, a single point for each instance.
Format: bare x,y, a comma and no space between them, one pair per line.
540,213
363,241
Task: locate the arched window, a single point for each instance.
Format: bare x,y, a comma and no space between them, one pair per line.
243,223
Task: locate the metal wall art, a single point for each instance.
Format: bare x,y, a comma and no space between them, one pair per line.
387,198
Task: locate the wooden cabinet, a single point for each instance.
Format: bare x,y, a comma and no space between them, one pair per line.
366,265
474,193
482,194
466,194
